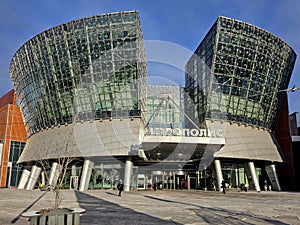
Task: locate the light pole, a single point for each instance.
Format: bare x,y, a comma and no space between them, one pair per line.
292,89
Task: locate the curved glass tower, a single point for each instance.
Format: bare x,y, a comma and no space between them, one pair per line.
87,69
236,74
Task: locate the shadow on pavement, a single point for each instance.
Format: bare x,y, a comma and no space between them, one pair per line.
222,216
27,208
100,212
111,193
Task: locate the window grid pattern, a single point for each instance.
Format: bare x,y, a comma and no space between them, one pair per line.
86,69
197,78
249,67
16,148
165,107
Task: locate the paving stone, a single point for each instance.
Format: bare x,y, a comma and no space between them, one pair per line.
189,207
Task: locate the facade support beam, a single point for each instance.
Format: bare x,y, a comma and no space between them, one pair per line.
54,173
272,174
24,179
219,174
33,177
127,175
86,175
174,181
43,178
253,176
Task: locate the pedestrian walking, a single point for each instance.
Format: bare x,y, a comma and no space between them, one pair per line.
185,184
120,187
265,185
223,186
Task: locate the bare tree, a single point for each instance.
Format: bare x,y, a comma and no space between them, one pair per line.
55,155
56,184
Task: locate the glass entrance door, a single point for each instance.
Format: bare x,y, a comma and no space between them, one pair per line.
141,182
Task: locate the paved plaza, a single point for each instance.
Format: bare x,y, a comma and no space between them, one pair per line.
159,207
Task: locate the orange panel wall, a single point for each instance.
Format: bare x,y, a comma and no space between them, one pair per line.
8,98
11,128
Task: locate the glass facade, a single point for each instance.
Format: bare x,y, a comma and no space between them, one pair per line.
16,148
86,69
236,73
105,175
165,108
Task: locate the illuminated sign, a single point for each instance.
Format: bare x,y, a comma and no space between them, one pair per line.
213,133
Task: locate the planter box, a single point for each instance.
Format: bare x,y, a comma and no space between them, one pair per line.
63,216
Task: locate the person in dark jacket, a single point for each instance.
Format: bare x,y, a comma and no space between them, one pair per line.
223,186
120,187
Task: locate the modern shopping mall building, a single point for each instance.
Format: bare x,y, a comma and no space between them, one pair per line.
82,87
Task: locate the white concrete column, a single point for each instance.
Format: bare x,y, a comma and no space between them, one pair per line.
253,176
219,174
198,178
174,181
272,174
54,173
43,178
86,175
127,175
34,174
24,179
73,170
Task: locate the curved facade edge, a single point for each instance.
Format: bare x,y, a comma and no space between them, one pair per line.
256,27
83,140
248,142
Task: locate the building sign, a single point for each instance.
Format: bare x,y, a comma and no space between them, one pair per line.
213,133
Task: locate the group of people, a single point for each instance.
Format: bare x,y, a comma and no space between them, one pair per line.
243,187
246,187
267,186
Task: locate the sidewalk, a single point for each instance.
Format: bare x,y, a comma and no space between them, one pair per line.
159,207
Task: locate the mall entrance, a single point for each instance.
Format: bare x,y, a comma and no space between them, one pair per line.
160,180
165,180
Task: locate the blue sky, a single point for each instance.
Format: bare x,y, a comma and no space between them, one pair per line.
182,22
